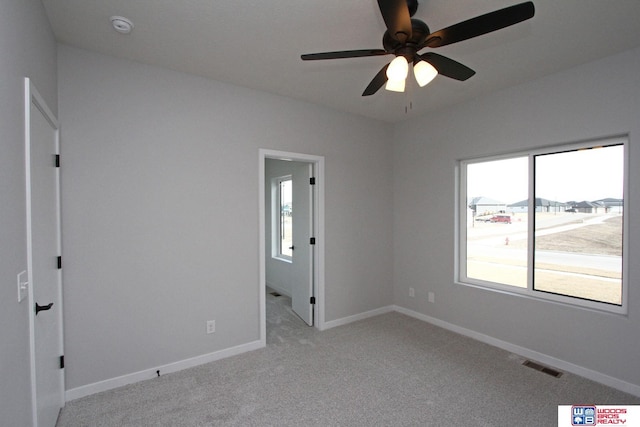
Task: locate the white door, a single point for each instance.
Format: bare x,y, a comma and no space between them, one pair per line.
302,271
43,245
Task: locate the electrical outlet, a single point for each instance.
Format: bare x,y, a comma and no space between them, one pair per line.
431,296
211,326
412,292
23,285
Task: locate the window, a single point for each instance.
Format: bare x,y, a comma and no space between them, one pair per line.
547,223
283,213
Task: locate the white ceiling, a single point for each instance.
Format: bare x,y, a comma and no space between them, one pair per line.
258,44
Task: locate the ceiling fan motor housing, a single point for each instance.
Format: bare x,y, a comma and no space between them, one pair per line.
419,33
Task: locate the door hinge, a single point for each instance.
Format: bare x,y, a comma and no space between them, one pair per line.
312,300
57,160
312,180
312,241
59,262
62,362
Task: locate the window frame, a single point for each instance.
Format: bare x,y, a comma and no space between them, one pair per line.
460,276
276,222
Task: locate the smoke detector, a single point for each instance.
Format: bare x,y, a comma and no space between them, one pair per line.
121,24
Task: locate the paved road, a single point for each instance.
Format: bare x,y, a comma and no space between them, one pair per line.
489,240
599,262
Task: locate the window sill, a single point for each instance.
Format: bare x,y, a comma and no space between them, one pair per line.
545,297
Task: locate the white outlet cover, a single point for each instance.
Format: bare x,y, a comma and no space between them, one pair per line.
211,326
23,285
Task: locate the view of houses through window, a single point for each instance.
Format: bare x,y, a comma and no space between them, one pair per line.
565,239
285,199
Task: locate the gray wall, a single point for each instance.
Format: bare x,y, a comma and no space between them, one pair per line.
594,100
160,211
27,49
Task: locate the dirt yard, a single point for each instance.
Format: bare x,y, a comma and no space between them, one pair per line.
582,281
600,239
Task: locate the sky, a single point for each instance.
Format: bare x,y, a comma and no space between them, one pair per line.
590,175
285,193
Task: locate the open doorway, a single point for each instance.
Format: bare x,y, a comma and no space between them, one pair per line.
291,239
289,230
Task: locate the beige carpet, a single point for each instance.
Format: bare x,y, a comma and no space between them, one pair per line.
390,370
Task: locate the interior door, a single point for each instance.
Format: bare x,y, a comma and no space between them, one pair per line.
302,264
43,245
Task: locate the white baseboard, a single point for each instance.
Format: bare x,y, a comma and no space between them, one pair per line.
562,365
360,316
100,386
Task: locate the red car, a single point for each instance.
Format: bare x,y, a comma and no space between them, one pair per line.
501,218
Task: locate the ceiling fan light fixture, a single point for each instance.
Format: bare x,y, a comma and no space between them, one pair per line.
398,68
424,73
395,85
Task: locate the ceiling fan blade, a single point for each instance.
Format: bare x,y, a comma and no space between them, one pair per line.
396,17
378,81
343,54
480,25
447,66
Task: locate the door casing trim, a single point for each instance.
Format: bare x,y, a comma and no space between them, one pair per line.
318,226
33,97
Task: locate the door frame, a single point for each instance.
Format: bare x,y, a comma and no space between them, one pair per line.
318,226
32,97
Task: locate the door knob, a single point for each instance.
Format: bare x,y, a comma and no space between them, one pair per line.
43,307
292,247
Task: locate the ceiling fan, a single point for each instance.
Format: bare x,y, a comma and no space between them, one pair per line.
406,36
